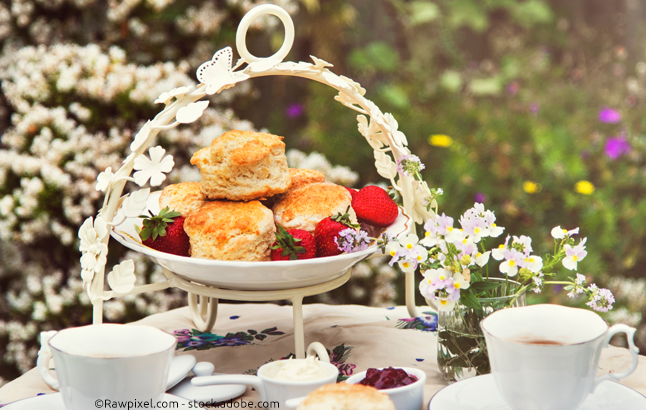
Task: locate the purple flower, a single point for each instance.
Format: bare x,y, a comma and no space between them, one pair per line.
410,165
534,107
480,197
350,240
616,147
295,110
609,116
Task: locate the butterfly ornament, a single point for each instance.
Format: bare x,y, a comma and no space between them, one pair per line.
217,74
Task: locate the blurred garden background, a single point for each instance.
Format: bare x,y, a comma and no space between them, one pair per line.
534,108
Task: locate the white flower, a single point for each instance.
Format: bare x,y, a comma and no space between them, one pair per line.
191,112
122,278
482,258
533,263
560,233
175,92
444,304
407,265
92,235
153,168
513,258
135,203
217,74
104,179
141,137
459,282
574,254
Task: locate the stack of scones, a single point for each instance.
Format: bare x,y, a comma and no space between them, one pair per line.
246,189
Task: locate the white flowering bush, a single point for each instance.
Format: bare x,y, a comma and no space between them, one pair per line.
79,78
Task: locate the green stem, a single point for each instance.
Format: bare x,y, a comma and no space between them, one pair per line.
557,282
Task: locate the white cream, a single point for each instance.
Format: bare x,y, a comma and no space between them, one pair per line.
305,370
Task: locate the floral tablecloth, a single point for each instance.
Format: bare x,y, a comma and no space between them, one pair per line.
246,336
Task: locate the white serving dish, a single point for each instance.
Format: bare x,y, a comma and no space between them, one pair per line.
271,275
410,397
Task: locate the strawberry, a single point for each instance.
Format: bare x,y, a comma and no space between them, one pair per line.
352,191
165,232
374,206
327,230
293,244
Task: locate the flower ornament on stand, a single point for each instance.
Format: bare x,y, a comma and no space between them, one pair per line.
459,281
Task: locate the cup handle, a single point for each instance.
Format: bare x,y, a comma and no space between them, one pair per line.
253,381
634,352
318,349
44,357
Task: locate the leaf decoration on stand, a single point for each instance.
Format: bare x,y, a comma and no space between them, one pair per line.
141,137
320,64
217,74
165,97
386,167
104,179
135,203
93,234
191,112
122,278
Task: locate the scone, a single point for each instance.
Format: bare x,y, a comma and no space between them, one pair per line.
231,231
302,176
345,396
306,206
242,166
184,197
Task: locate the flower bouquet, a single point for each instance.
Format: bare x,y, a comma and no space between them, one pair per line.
455,263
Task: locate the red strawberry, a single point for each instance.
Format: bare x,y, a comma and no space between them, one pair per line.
374,206
165,232
293,244
327,230
352,191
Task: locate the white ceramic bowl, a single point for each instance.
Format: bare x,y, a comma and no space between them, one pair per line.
409,397
271,275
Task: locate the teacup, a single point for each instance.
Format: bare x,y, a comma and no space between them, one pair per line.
105,362
276,390
545,357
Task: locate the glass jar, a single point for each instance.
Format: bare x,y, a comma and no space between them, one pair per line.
461,348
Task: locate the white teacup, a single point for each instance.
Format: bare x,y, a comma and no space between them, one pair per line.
545,357
271,389
107,362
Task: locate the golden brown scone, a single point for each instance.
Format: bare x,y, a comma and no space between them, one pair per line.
306,206
302,176
242,166
184,197
345,396
231,231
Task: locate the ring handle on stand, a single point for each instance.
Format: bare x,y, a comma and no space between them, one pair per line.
241,34
204,306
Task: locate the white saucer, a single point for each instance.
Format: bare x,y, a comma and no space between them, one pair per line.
54,401
481,393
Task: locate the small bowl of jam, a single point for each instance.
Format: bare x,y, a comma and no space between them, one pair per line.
404,385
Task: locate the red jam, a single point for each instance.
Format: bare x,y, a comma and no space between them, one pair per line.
387,378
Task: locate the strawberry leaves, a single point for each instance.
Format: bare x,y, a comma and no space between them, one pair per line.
155,225
289,244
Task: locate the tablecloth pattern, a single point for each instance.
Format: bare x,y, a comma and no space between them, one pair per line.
246,336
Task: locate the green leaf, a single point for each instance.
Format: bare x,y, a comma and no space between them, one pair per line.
468,299
486,86
484,286
395,95
451,80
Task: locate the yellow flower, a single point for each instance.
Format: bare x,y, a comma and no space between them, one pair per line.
531,187
584,187
439,140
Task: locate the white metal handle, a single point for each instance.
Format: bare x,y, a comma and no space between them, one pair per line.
241,34
44,357
249,380
634,352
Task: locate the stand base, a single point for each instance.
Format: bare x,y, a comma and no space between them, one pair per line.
203,302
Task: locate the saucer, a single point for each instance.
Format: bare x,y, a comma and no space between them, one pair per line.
481,393
54,401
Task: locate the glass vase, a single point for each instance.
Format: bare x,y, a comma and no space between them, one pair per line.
461,348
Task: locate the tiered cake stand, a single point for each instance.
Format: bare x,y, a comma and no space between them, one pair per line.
207,281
